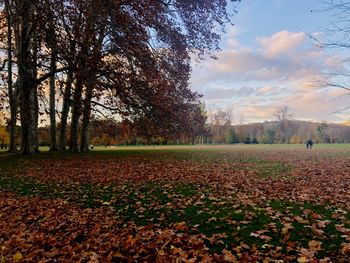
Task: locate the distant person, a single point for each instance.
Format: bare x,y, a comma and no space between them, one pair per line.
309,144
91,147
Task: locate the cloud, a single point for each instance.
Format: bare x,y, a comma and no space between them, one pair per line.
232,41
280,69
274,59
281,43
219,93
266,90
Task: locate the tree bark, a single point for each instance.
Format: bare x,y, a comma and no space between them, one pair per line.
12,99
36,119
26,83
53,67
84,142
96,45
35,92
65,111
53,133
76,113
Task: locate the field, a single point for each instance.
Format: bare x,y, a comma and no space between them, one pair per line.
240,203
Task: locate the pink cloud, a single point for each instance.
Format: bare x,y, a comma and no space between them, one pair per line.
281,42
282,70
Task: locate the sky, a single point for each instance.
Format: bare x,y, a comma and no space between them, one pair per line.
268,60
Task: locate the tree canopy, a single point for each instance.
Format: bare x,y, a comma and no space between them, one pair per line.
87,58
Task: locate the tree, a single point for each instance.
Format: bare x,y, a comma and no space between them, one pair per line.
269,133
284,118
241,128
231,136
254,141
336,35
51,43
131,58
321,132
26,81
141,68
11,94
220,119
26,20
103,131
247,140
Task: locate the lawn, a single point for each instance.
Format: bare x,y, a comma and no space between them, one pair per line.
240,203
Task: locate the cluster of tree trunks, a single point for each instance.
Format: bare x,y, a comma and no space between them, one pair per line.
128,58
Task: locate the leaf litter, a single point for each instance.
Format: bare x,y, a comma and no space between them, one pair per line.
178,207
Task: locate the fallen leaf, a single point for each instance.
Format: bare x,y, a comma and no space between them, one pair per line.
118,255
300,220
286,228
317,232
18,256
315,245
228,256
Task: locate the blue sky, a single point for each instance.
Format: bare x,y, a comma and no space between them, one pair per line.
265,17
268,60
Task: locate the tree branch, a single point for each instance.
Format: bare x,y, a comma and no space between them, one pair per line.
100,112
104,106
341,110
333,85
50,74
3,65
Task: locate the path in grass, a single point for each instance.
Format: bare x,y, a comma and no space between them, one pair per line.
200,204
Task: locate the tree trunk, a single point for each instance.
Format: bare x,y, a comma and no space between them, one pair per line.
84,143
65,111
53,133
91,81
76,112
36,119
35,92
26,83
12,99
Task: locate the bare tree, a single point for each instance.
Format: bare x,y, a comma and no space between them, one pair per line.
284,118
335,35
221,120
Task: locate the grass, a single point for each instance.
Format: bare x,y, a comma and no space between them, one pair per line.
190,207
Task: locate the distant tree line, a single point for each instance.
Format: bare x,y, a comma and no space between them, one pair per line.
300,131
76,61
106,132
283,130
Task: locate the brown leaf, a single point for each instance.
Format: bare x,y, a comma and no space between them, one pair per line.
228,256
315,245
317,232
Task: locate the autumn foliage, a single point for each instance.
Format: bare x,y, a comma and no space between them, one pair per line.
84,59
227,204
